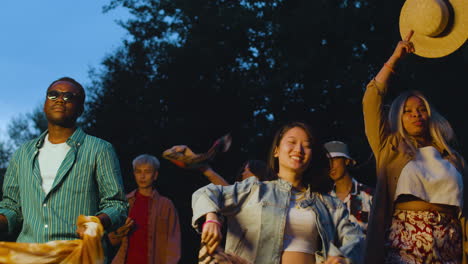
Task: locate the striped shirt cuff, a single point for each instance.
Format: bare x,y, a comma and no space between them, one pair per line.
116,216
11,217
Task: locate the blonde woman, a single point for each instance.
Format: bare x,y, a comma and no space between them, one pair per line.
419,193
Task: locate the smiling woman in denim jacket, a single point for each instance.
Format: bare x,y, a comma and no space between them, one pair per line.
287,220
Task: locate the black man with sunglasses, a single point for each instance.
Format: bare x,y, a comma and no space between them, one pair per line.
62,174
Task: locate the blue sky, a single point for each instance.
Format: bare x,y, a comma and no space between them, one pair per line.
41,41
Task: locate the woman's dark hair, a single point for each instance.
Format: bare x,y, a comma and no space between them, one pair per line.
259,168
316,175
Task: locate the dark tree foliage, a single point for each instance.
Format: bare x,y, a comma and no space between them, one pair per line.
25,127
21,128
194,70
5,153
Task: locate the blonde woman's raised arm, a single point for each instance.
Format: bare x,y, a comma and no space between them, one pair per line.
403,48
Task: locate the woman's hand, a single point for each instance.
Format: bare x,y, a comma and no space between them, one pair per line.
402,49
211,233
182,156
335,260
183,149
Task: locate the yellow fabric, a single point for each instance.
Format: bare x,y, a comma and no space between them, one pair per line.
87,250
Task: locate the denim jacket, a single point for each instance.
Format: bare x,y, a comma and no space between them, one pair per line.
256,213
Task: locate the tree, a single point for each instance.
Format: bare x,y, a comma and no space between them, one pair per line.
21,129
5,153
25,127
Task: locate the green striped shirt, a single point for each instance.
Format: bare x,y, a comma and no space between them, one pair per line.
88,182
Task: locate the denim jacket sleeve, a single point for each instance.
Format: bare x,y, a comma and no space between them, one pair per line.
225,200
349,241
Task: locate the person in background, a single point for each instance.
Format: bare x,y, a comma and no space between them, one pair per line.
356,196
287,220
152,232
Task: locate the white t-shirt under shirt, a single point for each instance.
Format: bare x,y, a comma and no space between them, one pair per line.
50,158
431,178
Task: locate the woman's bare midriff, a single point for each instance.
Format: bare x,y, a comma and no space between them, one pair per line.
420,205
292,257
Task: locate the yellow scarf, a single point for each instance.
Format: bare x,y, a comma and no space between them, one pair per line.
87,250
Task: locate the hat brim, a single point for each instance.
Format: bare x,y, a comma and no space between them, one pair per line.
341,154
440,46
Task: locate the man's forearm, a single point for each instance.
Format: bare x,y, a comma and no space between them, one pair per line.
214,177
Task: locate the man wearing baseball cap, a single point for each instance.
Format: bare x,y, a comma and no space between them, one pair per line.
356,196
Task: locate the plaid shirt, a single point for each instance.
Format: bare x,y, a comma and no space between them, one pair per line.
359,202
88,182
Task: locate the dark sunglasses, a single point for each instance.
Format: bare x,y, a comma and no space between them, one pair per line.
66,96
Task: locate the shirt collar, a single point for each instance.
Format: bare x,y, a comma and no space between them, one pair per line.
354,188
154,195
75,140
288,186
284,184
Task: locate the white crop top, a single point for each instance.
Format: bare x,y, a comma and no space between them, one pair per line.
300,233
431,178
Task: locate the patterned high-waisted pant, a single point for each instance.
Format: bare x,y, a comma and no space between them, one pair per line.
423,237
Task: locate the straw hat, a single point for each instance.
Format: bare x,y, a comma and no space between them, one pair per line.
440,26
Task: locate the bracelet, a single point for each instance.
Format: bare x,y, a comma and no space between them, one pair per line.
211,221
389,67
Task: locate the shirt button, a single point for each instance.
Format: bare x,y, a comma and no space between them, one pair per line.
46,226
